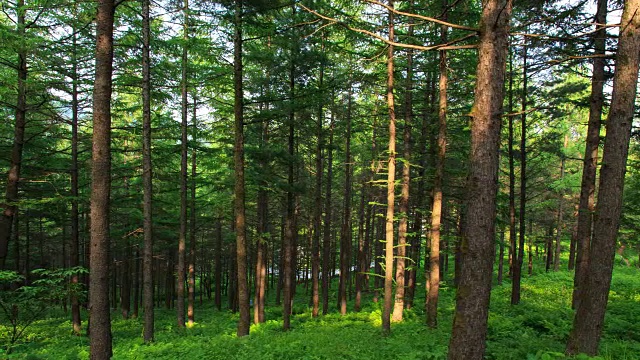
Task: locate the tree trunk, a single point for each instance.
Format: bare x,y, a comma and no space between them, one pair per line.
403,206
9,208
586,206
391,178
218,268
589,318
519,254
512,180
317,214
192,222
346,233
436,206
326,243
263,232
74,258
182,237
99,312
290,233
419,199
501,258
238,160
478,243
556,263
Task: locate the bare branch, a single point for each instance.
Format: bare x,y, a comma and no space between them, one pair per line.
422,17
447,46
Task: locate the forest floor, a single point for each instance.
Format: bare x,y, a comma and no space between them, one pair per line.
538,328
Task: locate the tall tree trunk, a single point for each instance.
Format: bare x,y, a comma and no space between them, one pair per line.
346,233
556,263
512,179
436,206
192,221
238,160
519,255
419,198
136,283
586,206
74,258
263,235
182,237
9,207
589,318
217,298
478,243
317,214
326,241
391,178
99,312
290,233
403,206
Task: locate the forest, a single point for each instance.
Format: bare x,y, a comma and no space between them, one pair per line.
305,179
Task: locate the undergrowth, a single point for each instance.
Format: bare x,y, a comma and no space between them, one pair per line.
536,329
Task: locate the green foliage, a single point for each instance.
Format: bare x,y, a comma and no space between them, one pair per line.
537,329
22,305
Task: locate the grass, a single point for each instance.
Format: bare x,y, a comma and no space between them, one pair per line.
536,329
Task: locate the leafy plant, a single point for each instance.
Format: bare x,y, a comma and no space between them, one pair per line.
22,305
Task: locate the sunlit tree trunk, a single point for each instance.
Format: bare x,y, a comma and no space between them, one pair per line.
478,243
586,206
391,178
589,319
436,206
519,253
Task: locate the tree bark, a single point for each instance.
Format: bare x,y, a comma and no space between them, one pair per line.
99,312
586,206
391,178
478,243
217,297
182,236
326,243
519,254
238,160
556,263
317,214
8,207
74,256
436,206
346,233
403,206
589,319
192,223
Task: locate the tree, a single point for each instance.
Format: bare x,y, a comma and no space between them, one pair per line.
100,318
590,310
478,251
586,206
239,187
182,236
436,206
9,206
147,178
391,178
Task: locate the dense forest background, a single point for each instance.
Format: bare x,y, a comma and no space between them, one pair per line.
345,154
